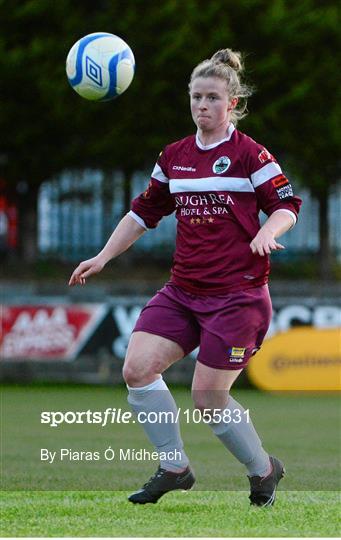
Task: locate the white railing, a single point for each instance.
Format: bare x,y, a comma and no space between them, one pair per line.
76,213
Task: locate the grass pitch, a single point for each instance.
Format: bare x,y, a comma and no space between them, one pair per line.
301,430
206,514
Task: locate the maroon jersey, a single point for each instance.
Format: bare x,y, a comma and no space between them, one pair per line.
217,192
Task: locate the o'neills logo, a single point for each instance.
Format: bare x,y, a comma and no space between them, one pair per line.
221,165
182,168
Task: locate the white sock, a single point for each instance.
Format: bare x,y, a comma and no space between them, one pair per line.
165,436
242,440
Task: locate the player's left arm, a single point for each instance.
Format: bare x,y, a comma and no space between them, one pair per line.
275,197
265,240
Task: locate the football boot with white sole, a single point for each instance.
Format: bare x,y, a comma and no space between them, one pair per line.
263,489
160,483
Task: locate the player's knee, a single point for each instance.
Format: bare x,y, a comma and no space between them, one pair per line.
133,375
209,400
141,371
128,375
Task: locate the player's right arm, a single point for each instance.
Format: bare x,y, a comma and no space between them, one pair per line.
125,234
156,201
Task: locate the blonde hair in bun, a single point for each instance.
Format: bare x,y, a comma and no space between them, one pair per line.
227,65
229,57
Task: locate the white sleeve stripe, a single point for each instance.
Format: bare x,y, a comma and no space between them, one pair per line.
265,173
158,174
137,219
292,215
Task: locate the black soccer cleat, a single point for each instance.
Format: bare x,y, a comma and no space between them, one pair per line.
160,483
263,489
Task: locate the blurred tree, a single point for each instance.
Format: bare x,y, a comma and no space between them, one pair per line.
296,110
290,58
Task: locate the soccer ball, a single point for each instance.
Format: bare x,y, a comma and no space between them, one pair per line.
100,66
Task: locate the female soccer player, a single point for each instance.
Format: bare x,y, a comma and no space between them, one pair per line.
216,181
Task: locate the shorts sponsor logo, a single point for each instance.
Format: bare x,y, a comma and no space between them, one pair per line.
221,165
280,181
236,354
285,191
238,351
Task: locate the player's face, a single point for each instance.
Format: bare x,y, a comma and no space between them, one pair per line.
210,103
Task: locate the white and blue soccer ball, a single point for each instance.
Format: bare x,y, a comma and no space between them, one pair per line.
100,66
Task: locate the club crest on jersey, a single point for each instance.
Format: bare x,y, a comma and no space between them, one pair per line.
221,165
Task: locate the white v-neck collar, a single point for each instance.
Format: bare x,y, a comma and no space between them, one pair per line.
229,132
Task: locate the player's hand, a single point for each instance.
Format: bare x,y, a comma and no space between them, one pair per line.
264,242
86,269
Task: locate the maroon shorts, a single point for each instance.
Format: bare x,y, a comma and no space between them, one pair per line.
228,328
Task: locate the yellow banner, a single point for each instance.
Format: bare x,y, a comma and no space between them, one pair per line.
303,358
